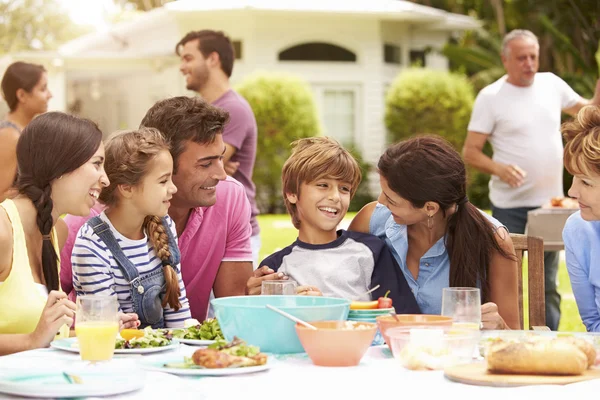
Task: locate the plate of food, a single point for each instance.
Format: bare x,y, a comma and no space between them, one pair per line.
198,334
128,341
218,359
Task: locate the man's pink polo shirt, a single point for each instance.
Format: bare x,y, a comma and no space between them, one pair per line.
213,234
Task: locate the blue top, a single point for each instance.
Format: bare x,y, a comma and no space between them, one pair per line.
434,266
582,246
346,268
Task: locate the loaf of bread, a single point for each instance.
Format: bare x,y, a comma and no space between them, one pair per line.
558,356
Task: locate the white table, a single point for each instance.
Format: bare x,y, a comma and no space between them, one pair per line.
295,377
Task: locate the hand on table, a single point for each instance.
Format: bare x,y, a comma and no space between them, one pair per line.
490,318
308,291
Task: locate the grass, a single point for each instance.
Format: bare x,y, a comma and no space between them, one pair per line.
278,232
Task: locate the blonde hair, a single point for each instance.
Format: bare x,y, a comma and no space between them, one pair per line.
129,155
315,158
582,136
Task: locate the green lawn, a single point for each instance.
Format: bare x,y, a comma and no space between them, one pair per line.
277,232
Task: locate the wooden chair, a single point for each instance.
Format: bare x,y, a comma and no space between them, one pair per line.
534,246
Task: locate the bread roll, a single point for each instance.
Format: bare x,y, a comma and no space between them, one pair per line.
539,357
583,345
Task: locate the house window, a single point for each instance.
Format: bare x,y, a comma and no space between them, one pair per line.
392,54
237,49
317,51
417,57
339,114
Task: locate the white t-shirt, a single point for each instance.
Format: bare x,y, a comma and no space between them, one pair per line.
524,128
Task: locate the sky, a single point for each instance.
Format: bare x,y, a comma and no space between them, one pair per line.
90,12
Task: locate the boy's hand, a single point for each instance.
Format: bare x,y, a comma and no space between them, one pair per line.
308,291
263,273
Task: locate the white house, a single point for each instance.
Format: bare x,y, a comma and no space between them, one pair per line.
349,51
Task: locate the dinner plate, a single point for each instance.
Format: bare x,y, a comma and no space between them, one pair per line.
195,342
50,384
158,364
71,345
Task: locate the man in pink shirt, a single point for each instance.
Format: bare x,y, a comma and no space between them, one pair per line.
210,210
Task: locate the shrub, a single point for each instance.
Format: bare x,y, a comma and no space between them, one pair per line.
285,111
427,101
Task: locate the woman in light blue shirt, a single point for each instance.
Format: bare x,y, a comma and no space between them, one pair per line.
437,236
581,234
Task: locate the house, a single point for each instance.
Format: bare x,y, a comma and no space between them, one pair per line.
349,51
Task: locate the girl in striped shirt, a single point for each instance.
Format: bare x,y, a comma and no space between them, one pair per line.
130,250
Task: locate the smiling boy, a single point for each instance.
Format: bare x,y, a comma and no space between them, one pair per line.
319,179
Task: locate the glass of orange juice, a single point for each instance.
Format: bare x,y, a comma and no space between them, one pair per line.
97,324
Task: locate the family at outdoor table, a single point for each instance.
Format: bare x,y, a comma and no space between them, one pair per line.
164,216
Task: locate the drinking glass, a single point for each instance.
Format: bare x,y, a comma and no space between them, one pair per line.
280,287
97,324
463,304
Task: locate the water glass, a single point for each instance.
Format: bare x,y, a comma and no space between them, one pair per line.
279,287
463,304
97,325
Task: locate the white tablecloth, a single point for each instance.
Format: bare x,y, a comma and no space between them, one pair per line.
294,376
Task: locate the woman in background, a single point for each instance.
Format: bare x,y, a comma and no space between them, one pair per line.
25,90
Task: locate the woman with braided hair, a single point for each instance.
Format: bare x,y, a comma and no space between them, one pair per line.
60,160
130,250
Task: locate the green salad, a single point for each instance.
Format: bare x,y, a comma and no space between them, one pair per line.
207,330
237,347
151,338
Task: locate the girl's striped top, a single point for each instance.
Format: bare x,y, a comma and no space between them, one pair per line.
96,271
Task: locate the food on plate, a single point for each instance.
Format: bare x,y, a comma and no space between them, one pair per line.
235,354
385,301
150,338
563,202
364,305
128,334
539,355
382,302
207,330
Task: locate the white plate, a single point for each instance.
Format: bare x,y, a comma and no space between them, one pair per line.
46,383
157,364
195,342
71,345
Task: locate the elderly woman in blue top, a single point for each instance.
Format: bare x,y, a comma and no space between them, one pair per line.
438,238
581,234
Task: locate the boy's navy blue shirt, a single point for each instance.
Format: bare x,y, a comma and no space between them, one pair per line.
347,268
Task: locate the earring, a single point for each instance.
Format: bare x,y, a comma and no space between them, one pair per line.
430,222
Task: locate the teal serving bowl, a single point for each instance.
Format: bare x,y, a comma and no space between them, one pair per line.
248,318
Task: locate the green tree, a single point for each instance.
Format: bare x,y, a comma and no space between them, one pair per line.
35,25
285,111
144,5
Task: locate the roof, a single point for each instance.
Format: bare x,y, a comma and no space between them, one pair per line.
121,38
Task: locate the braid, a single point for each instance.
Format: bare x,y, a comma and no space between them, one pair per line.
160,241
42,200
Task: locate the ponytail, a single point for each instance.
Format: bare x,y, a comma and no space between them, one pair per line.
471,242
160,241
42,201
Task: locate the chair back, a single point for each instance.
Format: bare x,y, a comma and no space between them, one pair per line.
534,246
